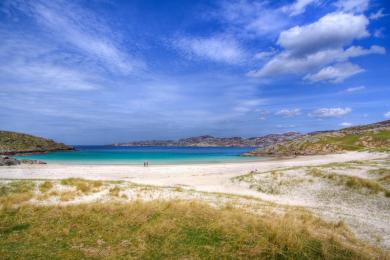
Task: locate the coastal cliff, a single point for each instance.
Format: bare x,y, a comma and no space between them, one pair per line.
364,137
211,141
12,143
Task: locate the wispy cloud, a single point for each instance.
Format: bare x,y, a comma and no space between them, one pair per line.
219,49
330,112
355,89
354,6
387,114
336,73
82,29
346,124
288,112
298,7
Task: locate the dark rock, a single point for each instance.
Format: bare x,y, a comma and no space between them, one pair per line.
8,161
25,161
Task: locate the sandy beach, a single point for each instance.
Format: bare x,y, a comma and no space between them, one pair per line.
201,177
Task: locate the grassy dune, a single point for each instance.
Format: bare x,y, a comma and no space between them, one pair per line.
11,142
173,230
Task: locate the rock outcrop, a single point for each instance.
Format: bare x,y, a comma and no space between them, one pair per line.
8,161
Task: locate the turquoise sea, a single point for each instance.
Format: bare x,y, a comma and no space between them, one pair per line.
137,155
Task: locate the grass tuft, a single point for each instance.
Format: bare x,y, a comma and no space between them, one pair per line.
45,186
114,191
85,186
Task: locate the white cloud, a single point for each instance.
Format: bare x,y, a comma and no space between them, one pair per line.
355,89
346,124
252,18
334,30
298,7
336,73
354,6
244,106
330,112
377,15
285,126
265,54
308,49
288,112
43,76
378,33
387,114
217,49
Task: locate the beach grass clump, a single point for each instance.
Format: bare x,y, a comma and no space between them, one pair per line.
16,192
114,191
84,186
171,230
68,195
45,186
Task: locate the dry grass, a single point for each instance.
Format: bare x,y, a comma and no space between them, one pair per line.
171,230
85,186
45,186
114,191
68,195
16,192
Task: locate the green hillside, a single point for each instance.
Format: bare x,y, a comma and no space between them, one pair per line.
374,137
18,143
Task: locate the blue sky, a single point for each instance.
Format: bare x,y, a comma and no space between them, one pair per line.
97,72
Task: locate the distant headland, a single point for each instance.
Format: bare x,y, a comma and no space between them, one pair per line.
211,141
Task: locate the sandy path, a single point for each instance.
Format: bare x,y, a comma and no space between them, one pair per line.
202,177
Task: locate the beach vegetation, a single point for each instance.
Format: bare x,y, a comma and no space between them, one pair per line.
114,191
353,182
16,192
172,230
82,185
45,186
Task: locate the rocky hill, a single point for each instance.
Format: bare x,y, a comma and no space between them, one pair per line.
210,141
12,143
365,137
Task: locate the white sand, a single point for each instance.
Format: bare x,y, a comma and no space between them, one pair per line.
202,177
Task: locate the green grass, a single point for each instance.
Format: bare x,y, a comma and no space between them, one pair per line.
171,230
328,143
11,141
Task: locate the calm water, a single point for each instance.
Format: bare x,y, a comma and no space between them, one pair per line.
137,155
